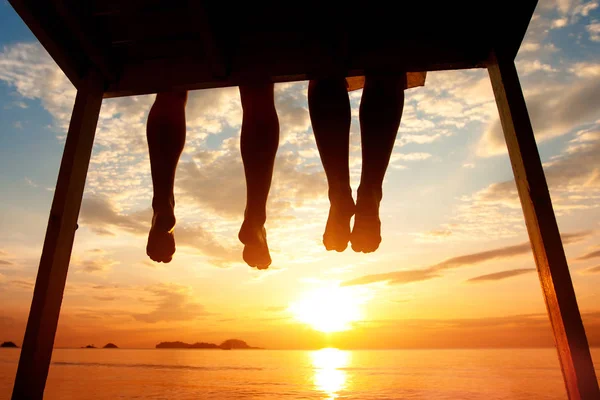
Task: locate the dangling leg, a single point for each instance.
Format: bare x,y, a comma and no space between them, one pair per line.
165,132
329,108
380,113
259,142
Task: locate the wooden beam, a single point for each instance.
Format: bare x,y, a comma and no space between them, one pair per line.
153,76
98,57
52,273
211,50
561,303
47,32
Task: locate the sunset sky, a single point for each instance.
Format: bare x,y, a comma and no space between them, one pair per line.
454,269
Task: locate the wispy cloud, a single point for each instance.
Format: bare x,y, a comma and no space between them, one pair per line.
501,275
550,117
434,271
100,215
593,270
171,302
590,255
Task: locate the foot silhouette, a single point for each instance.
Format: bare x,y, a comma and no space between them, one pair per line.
337,230
161,242
256,250
366,232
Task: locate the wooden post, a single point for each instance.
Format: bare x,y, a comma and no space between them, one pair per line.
569,334
52,273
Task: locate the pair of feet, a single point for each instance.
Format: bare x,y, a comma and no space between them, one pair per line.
365,235
161,242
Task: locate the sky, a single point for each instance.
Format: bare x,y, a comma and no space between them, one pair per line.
455,268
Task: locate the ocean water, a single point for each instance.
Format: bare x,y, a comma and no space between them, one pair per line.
276,374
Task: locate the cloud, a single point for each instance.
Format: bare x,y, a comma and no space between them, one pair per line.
573,178
28,68
527,67
22,284
594,31
395,278
570,10
410,156
214,181
198,238
5,259
585,69
560,23
91,266
171,303
501,275
292,109
92,261
99,214
589,256
554,111
211,110
435,235
434,271
276,308
593,270
105,298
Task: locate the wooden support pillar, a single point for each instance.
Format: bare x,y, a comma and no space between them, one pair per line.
52,273
569,334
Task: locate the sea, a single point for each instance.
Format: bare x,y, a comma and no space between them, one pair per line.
490,374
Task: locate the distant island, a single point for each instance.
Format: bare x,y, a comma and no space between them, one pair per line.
89,346
11,345
110,346
229,344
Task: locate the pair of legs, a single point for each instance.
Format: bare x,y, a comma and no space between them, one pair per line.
259,141
380,112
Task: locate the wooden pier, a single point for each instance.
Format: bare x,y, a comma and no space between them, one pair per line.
112,48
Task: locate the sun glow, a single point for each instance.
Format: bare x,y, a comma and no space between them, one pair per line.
329,309
329,374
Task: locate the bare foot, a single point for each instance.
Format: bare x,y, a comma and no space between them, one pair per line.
337,230
256,250
161,242
366,233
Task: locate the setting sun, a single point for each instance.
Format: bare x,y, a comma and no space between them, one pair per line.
328,309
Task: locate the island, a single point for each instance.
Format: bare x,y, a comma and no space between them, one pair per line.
89,346
10,345
110,346
229,344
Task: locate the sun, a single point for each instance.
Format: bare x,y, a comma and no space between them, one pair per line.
328,309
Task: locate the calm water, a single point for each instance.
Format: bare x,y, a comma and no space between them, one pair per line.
324,374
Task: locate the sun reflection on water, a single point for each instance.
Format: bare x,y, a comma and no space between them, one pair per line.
328,375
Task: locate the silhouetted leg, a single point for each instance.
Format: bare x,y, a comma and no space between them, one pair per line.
259,142
165,132
380,112
329,108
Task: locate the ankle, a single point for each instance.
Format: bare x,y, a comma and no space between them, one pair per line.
163,206
163,222
255,218
374,192
339,193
